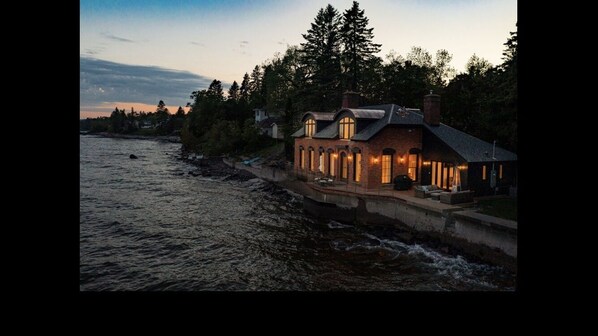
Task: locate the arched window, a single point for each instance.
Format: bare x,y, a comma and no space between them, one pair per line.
301,158
321,160
346,128
357,164
312,159
331,162
344,166
310,127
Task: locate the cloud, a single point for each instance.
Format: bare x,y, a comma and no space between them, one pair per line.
93,51
243,44
103,81
116,38
197,44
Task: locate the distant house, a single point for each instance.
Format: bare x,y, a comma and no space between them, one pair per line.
370,145
146,124
269,126
277,130
260,114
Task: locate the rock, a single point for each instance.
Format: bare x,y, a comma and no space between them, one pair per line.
405,236
132,156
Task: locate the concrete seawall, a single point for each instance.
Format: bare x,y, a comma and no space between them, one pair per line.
488,238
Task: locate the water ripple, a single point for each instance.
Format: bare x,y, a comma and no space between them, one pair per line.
148,225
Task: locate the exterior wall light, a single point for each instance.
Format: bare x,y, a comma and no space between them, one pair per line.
375,160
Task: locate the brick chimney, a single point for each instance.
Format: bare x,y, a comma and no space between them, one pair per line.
350,99
432,109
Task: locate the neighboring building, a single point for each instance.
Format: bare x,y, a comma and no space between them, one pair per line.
269,126
277,130
260,114
146,124
370,145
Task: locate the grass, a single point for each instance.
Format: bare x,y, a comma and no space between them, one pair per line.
499,207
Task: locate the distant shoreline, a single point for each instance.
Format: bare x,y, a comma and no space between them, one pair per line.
169,138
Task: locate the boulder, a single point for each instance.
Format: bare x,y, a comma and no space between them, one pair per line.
132,156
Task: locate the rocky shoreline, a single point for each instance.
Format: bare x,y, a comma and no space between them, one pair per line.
215,167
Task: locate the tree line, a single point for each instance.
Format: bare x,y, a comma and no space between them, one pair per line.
339,54
160,122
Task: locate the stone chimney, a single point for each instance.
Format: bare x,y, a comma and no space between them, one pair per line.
432,109
350,99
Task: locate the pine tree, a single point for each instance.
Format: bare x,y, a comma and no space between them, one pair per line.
358,47
256,92
321,53
233,92
244,91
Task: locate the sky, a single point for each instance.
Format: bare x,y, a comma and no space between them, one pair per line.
135,53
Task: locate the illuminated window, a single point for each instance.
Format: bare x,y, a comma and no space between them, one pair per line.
331,165
312,163
444,177
483,172
412,170
321,167
386,168
310,127
344,166
500,171
433,172
301,158
346,128
357,167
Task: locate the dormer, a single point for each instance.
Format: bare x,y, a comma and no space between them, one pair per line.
313,122
352,121
310,127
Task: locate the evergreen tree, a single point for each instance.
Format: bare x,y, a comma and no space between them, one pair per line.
244,90
215,90
180,112
255,88
161,106
358,47
321,54
233,92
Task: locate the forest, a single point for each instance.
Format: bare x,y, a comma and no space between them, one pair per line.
339,54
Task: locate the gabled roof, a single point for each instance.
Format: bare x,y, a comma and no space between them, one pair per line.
394,115
268,122
469,147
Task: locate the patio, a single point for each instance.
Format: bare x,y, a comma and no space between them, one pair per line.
408,196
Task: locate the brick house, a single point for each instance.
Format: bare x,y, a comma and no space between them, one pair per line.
370,145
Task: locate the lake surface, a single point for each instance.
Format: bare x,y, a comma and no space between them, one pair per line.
147,224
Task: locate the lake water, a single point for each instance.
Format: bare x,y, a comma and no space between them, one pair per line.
146,224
